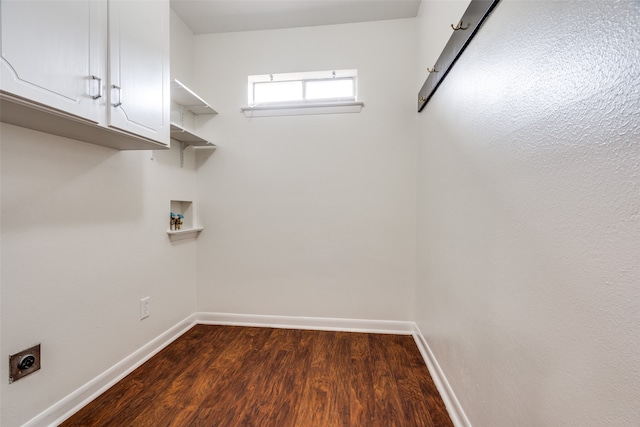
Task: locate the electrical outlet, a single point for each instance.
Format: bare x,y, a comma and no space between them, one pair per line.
144,308
24,363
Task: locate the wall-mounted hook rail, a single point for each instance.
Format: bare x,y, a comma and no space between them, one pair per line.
471,20
459,26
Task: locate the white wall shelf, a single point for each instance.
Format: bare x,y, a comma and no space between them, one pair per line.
184,96
186,103
187,137
185,233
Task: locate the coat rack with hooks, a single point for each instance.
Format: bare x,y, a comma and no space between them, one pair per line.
463,32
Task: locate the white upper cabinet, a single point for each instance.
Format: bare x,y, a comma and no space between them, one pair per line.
92,70
54,53
139,67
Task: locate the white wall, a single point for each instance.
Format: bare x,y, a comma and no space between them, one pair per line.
182,51
83,239
528,216
310,215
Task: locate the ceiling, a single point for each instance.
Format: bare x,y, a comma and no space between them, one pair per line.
221,16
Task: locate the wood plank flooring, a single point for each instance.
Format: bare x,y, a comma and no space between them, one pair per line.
263,377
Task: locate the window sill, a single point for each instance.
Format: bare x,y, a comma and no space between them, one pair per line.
303,109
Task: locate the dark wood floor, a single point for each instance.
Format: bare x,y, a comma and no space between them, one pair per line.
240,376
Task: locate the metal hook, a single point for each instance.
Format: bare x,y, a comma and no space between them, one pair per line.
432,70
459,26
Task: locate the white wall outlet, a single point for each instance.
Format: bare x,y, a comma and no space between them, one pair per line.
144,307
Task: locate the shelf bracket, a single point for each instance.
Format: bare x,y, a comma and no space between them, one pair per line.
182,110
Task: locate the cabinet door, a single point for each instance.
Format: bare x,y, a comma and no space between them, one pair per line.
139,67
54,53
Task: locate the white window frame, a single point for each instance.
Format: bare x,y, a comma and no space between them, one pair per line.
304,106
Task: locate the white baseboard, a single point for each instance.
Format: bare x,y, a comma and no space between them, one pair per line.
75,401
72,403
309,323
456,413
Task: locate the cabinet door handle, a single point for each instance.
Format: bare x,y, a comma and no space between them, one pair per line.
99,95
119,103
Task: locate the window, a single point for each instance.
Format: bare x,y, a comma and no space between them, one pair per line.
315,92
277,92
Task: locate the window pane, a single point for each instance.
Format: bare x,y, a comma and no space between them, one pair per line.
277,91
335,88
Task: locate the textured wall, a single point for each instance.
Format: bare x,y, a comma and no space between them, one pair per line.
310,215
529,216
